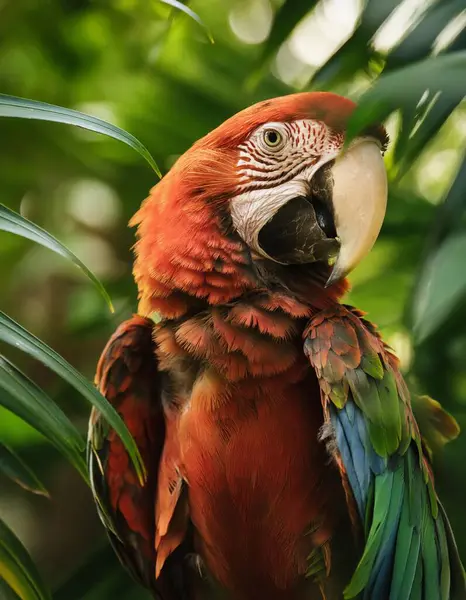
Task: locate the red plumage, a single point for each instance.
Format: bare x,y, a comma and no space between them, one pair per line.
221,398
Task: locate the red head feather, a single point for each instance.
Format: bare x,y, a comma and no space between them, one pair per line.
187,248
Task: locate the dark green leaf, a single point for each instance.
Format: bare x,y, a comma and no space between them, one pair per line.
441,286
409,118
290,13
15,223
25,399
6,593
14,468
408,150
402,89
356,53
450,212
418,43
458,43
12,333
87,581
22,108
352,57
17,568
188,11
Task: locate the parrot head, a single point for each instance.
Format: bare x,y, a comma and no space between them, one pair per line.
273,184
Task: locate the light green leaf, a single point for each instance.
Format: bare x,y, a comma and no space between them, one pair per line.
16,469
355,54
17,568
188,11
25,399
418,43
6,593
22,108
441,286
401,89
12,333
410,145
450,212
14,223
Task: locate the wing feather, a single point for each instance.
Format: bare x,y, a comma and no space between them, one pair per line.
128,376
409,548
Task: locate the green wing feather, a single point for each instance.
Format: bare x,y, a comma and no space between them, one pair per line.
409,553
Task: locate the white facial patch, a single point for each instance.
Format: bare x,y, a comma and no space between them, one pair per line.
272,176
251,210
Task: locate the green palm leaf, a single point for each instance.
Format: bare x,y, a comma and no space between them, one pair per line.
189,11
288,16
441,284
22,108
17,568
14,468
355,54
12,333
401,89
14,223
31,404
6,593
417,45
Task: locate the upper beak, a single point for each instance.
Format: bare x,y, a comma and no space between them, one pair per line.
359,201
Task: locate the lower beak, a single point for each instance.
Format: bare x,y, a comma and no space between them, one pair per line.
359,199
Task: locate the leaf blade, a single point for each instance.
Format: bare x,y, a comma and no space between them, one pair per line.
31,404
16,224
402,88
14,334
13,467
18,569
6,593
442,280
442,284
287,17
23,108
406,154
356,52
189,11
418,43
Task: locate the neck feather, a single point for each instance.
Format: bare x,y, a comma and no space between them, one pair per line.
189,257
186,257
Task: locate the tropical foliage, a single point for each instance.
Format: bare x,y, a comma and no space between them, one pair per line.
169,73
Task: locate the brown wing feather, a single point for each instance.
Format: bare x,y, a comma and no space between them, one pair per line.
128,376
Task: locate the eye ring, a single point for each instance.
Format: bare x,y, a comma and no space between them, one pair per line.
272,138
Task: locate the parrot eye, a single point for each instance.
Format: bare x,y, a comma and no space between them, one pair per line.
272,138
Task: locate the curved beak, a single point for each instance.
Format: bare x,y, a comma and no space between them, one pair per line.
359,199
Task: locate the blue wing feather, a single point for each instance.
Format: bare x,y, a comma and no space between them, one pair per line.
410,553
347,446
404,539
360,460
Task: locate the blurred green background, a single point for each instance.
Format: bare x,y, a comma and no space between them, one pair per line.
152,70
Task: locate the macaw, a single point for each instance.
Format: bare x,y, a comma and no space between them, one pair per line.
283,457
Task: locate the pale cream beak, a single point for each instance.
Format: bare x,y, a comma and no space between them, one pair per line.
359,203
